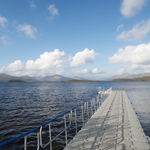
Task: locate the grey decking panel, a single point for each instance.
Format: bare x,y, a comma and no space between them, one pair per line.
114,126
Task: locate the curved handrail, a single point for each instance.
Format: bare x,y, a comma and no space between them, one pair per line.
18,137
55,118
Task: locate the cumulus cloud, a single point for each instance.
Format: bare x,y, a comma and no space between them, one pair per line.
16,66
13,67
28,30
130,8
83,57
138,32
3,21
53,62
135,54
47,60
32,4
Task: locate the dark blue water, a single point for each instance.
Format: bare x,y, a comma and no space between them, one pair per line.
25,106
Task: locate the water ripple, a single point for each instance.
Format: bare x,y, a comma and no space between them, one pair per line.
25,106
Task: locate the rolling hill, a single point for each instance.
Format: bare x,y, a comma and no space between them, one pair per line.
128,76
6,77
54,78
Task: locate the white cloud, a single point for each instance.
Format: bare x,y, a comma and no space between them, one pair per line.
32,4
52,63
47,60
16,66
135,54
138,32
120,26
134,69
28,30
3,21
83,57
53,11
130,8
98,71
5,40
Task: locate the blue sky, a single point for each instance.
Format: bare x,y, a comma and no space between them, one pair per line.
86,38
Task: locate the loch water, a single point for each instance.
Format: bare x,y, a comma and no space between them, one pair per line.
25,106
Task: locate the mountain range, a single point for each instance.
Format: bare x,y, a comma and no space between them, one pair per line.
6,77
128,76
54,78
59,78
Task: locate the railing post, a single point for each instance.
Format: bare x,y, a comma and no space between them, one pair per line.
38,140
91,107
84,107
70,116
41,136
25,143
75,120
94,105
98,100
65,129
82,115
88,110
50,137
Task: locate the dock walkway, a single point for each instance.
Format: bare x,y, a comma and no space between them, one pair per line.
114,126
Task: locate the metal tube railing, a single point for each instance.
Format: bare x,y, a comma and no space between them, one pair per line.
95,104
25,143
75,120
65,130
50,137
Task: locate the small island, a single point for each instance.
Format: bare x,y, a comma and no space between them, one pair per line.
15,80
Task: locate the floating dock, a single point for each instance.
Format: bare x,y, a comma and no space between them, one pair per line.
114,126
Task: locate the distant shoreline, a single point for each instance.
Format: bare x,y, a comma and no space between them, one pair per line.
15,80
147,78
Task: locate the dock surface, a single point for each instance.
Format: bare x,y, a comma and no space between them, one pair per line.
114,126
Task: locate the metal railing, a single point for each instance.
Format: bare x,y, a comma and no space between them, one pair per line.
87,108
104,90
